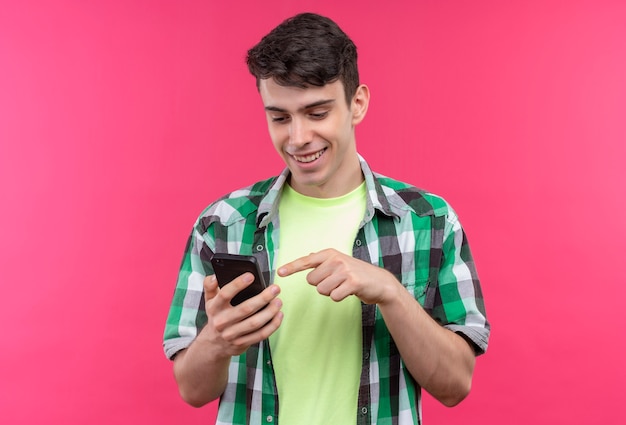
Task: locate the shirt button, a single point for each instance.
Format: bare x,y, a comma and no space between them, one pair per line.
259,248
364,410
358,242
269,419
367,356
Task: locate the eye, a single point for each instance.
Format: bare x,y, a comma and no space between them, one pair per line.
318,115
279,119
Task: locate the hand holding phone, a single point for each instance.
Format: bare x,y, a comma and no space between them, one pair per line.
228,267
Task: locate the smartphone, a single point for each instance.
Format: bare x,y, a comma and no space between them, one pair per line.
228,267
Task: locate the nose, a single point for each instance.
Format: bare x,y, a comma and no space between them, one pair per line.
299,132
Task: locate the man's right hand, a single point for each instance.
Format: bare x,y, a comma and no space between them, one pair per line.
234,328
201,370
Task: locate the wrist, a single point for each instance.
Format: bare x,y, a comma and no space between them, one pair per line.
209,349
391,291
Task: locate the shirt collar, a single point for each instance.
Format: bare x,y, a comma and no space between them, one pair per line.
376,197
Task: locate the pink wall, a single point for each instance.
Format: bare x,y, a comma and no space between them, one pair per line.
120,120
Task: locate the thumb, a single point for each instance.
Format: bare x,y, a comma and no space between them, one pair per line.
210,287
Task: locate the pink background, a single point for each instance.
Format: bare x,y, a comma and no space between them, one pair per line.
120,120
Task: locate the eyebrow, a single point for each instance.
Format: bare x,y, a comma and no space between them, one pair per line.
304,108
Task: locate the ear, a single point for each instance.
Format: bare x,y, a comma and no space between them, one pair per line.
360,102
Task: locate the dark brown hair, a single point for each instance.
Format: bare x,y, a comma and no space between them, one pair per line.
306,50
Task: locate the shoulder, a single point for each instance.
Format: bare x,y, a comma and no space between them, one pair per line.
236,206
407,197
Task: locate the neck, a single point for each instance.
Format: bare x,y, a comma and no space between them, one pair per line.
350,178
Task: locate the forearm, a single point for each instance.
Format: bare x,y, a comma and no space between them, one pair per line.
201,376
441,361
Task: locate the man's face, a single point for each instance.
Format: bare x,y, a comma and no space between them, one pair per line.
313,131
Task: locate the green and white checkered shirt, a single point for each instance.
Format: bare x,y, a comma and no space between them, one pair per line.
413,234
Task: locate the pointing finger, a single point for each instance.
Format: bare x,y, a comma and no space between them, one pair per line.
303,263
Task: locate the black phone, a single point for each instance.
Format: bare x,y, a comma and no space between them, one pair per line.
228,267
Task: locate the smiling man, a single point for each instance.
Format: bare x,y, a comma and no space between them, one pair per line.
313,131
373,293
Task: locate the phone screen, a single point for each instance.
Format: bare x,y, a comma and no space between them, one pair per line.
228,267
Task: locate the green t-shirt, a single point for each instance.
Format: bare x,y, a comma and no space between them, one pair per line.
316,352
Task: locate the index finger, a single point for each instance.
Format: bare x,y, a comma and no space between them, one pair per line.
299,264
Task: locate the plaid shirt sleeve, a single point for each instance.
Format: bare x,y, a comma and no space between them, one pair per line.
187,316
459,302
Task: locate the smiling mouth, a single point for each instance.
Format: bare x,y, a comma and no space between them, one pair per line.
309,158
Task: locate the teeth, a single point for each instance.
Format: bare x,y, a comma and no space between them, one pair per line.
309,158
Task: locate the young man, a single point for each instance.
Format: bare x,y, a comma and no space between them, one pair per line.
373,293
